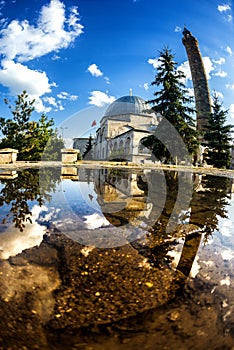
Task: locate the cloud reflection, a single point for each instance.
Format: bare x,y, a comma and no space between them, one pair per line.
13,241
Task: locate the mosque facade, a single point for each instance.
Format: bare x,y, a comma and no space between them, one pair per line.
126,122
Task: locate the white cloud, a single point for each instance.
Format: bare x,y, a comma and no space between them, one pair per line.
73,97
155,62
18,77
66,96
23,41
231,110
146,86
230,86
99,98
51,101
221,73
95,221
94,70
184,67
2,4
40,107
220,61
208,65
107,80
229,50
224,7
178,29
55,57
63,95
14,242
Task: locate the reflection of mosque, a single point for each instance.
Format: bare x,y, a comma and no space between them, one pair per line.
120,197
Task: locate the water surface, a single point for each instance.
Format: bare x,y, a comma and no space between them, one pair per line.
111,258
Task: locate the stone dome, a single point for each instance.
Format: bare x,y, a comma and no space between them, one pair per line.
126,105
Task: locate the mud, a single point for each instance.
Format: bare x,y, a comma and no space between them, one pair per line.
60,295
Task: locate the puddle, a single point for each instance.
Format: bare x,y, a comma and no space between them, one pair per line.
106,258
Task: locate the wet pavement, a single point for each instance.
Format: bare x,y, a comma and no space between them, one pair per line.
100,259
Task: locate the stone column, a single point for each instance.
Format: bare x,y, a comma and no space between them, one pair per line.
200,85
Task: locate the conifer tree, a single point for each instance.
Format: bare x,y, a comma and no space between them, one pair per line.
218,136
173,103
88,149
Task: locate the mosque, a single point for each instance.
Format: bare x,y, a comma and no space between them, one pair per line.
126,122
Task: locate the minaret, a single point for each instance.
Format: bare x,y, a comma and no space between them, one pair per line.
200,85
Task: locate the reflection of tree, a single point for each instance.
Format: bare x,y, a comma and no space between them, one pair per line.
209,201
26,188
161,235
88,175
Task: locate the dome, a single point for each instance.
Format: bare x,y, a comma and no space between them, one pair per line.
126,105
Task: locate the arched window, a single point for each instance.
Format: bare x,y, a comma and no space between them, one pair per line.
127,145
121,147
102,134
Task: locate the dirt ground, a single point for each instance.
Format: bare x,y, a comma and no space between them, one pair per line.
60,295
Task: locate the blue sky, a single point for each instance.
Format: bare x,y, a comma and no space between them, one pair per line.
76,56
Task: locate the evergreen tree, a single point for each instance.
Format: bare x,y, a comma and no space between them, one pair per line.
218,136
30,138
173,103
88,149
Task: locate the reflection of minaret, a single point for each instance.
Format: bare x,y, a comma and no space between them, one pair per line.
200,85
189,252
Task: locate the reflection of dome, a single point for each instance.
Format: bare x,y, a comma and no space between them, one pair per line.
126,105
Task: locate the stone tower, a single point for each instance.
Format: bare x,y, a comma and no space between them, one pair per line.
200,85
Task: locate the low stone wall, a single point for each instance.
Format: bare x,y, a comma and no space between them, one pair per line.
69,155
8,155
69,173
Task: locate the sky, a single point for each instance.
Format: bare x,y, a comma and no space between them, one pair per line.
75,57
